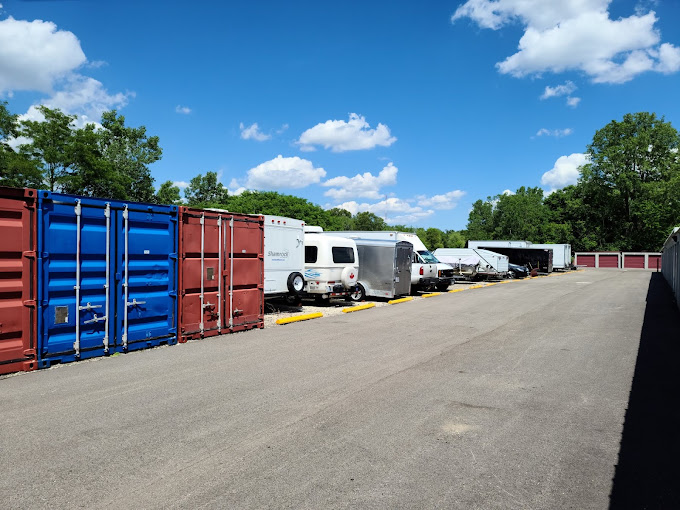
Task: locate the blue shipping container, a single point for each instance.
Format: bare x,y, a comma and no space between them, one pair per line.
107,276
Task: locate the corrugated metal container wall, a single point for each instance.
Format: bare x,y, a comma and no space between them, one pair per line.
108,276
18,280
221,272
670,262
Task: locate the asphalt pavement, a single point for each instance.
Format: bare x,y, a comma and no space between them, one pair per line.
509,396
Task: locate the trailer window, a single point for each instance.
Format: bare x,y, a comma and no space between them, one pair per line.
311,253
343,255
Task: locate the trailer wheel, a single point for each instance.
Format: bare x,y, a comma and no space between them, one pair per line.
441,287
359,293
295,283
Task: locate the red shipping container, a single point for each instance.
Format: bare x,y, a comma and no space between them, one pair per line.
221,273
18,280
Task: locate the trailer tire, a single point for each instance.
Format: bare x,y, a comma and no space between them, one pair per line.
296,283
442,287
359,294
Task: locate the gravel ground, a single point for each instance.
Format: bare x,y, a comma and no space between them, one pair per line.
279,310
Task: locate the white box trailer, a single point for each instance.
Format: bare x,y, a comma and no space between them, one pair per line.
480,263
499,244
424,267
561,254
384,269
284,256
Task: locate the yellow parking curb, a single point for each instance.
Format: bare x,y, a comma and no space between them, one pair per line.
490,284
476,287
297,318
457,290
351,309
431,294
401,300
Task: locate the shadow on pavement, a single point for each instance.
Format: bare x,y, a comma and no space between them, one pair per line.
648,471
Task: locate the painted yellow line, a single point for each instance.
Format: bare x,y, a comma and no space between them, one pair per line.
431,294
476,287
358,307
490,284
297,318
457,290
401,300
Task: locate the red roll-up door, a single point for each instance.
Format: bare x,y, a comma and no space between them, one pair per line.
634,261
585,260
654,262
609,260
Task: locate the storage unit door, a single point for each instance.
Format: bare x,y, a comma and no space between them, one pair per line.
199,274
633,261
244,281
74,319
146,265
18,281
609,260
654,262
585,260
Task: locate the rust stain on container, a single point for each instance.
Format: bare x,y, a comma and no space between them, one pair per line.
221,272
18,280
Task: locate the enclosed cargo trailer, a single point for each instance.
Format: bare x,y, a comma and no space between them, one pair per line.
108,276
533,258
384,269
18,280
221,273
284,256
561,254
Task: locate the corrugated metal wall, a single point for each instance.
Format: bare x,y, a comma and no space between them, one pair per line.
670,262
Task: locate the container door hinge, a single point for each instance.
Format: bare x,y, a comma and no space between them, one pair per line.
30,303
172,293
29,254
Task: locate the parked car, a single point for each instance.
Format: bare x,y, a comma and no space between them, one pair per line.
517,271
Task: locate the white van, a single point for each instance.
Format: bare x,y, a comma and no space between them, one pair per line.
331,264
284,256
424,268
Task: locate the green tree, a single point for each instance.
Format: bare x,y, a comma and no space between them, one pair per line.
480,224
629,181
520,215
340,219
206,191
130,151
15,169
369,221
454,239
168,194
50,144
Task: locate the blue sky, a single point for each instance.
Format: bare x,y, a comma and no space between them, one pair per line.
412,110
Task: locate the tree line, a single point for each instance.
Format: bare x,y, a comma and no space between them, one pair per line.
627,196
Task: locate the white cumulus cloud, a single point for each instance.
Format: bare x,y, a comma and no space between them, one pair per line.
573,101
283,172
393,210
35,54
564,172
576,35
364,185
253,132
559,90
184,110
341,136
444,201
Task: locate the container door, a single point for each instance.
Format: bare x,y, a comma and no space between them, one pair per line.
244,281
75,246
17,281
146,264
585,260
200,273
402,277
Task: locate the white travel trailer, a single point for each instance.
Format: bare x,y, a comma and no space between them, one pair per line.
331,264
425,273
499,244
284,256
474,263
